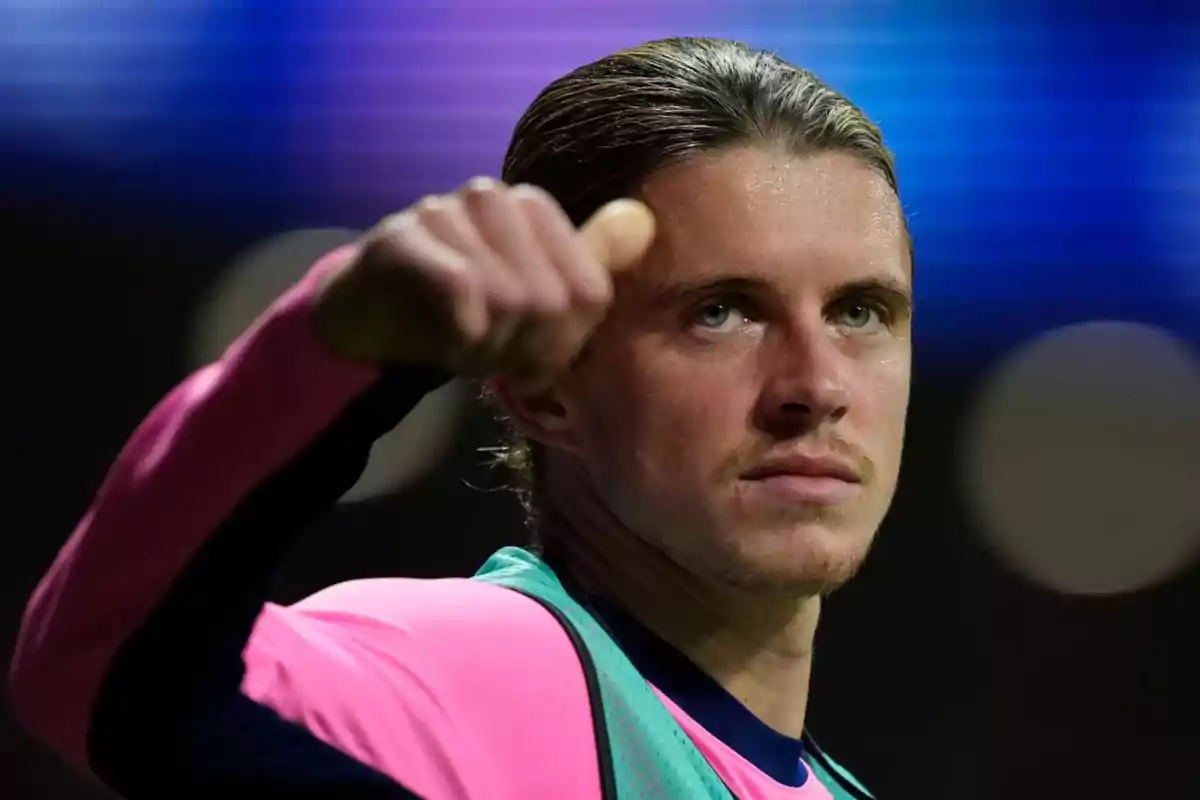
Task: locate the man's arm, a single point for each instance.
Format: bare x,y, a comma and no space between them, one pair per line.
200,506
128,662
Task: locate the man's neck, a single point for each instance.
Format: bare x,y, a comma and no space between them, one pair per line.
757,646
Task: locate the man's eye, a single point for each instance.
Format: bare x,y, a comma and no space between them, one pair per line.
861,315
719,316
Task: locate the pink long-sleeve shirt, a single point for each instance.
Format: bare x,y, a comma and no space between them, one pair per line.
148,656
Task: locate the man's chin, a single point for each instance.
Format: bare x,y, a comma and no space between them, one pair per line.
809,559
800,581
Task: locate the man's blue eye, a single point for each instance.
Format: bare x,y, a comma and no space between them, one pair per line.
859,315
862,315
714,315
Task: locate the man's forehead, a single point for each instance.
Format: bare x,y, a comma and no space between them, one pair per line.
775,217
751,179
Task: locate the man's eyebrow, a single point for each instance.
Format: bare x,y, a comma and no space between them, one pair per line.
899,290
668,293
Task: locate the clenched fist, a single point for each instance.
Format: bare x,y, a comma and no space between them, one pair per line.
490,281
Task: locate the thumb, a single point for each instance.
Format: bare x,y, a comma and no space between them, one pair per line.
619,234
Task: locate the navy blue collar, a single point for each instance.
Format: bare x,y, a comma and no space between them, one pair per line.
705,700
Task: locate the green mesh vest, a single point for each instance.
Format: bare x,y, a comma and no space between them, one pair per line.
643,752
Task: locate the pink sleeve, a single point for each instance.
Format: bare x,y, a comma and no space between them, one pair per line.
455,688
187,466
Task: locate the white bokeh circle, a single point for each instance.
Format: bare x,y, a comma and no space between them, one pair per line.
249,285
1082,458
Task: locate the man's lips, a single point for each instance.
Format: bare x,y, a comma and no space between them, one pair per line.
805,466
804,478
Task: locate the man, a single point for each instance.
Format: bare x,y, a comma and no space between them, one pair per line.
691,297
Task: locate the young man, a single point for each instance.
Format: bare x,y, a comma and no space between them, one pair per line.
691,296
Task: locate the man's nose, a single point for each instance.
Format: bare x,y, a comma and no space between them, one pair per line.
806,385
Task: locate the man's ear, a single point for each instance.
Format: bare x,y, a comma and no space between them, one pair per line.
544,415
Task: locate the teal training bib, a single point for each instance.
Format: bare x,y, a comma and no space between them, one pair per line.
644,754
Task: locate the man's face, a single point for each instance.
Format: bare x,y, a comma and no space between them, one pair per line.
742,407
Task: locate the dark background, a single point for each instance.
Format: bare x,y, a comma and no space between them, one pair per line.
1013,634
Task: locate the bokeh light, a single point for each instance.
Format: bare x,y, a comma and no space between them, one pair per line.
1082,461
261,274
92,76
417,97
1171,176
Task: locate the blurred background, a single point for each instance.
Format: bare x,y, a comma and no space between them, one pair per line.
1027,625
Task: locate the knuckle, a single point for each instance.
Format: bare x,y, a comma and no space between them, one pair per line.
396,223
481,188
535,196
543,210
391,239
431,205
